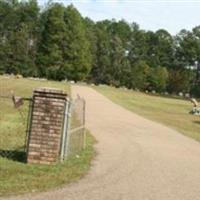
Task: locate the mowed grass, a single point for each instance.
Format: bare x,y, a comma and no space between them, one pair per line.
168,111
17,177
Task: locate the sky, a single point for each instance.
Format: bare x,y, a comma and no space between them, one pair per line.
172,15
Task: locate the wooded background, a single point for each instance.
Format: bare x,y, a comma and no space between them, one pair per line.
56,42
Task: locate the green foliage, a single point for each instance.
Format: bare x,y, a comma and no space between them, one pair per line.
119,63
139,75
92,41
18,35
196,90
58,43
100,71
164,48
158,78
50,54
64,50
76,46
137,45
178,81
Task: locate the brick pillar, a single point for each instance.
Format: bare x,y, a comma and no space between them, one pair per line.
46,125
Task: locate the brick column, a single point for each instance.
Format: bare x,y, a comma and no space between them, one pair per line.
46,125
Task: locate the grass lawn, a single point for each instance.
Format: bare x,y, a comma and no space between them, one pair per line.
168,111
17,177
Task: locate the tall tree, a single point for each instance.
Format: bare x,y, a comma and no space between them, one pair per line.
138,78
76,47
50,56
158,78
19,20
178,81
164,48
185,48
92,38
120,67
100,70
137,48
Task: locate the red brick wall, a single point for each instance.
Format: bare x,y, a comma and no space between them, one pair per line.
46,125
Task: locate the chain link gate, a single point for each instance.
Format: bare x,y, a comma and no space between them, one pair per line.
73,141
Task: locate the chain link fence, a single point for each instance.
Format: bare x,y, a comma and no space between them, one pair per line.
74,128
15,122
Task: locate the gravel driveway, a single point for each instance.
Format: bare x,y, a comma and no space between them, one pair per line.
137,159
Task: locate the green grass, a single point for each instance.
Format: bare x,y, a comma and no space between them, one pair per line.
168,111
17,177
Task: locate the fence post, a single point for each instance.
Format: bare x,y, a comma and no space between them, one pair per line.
84,131
28,125
65,121
63,132
67,138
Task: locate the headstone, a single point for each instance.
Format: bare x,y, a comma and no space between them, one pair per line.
180,94
194,101
187,95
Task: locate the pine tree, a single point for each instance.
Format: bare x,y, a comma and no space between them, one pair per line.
92,38
50,55
76,49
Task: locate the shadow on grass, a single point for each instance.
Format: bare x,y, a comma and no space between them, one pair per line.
197,122
14,155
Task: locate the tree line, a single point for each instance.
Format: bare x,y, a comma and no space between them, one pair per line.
56,42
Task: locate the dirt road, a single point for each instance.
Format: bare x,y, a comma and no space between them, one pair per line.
137,159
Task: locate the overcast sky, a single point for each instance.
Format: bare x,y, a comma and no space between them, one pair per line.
172,15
